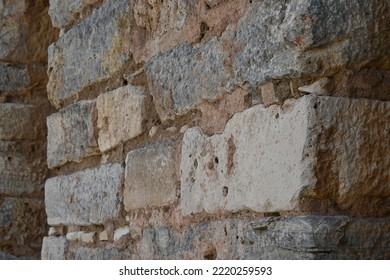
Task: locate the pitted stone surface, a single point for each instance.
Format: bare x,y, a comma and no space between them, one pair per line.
13,78
267,159
86,197
121,115
54,248
150,177
71,134
83,56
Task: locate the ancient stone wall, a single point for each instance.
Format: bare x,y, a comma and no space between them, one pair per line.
214,129
25,34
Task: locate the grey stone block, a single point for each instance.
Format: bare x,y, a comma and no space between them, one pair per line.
54,248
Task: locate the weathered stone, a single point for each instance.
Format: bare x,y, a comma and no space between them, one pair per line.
82,56
72,134
56,231
54,248
21,122
6,216
103,236
121,116
22,168
82,253
74,235
6,256
320,87
274,40
62,12
121,232
301,237
71,199
25,31
185,76
150,177
87,237
267,159
13,79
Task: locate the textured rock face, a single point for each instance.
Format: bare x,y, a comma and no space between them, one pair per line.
82,56
268,158
150,178
121,116
195,129
72,134
72,199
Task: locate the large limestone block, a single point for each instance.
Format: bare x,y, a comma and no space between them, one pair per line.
21,122
267,159
54,248
62,12
22,168
274,40
90,52
72,134
150,178
87,197
121,115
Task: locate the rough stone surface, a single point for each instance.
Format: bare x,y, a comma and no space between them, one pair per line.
82,253
6,208
62,12
300,237
150,177
121,116
13,78
86,197
82,56
275,39
54,248
21,122
22,168
259,164
72,134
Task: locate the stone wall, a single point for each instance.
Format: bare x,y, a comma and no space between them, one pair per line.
215,129
25,34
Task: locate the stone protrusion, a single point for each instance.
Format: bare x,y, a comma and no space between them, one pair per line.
87,197
121,116
267,159
72,134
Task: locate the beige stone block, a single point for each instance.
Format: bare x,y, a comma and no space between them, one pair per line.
72,134
54,248
267,159
121,114
150,177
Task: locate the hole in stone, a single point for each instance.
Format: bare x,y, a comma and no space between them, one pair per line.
210,253
203,29
216,160
125,82
195,163
277,116
208,7
225,191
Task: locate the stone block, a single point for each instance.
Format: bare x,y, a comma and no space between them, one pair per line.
13,79
72,134
22,168
121,115
257,52
21,122
87,197
82,56
82,253
6,216
268,159
150,177
54,248
63,12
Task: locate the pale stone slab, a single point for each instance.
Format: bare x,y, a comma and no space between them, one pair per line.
269,158
21,122
87,197
121,114
72,134
150,177
54,248
90,52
